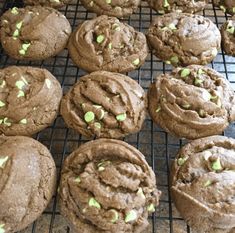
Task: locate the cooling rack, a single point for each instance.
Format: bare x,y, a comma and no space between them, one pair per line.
159,147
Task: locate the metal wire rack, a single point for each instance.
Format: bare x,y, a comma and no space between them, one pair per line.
158,147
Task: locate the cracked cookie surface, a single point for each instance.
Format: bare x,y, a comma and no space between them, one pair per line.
27,181
105,104
34,33
192,102
107,186
29,100
203,184
105,43
183,39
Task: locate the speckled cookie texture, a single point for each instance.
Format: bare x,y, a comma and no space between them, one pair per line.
105,43
188,6
34,33
228,37
203,184
117,8
29,100
227,6
105,104
107,187
27,182
192,102
183,39
48,3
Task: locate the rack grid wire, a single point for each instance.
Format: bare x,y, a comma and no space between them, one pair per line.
159,147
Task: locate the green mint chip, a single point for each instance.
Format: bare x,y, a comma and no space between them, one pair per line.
14,11
77,179
207,183
3,161
230,30
151,208
2,230
108,1
216,165
158,109
131,216
89,116
100,39
181,161
136,62
172,26
23,121
141,193
20,94
94,203
166,3
2,104
19,25
16,33
174,59
184,73
115,216
121,117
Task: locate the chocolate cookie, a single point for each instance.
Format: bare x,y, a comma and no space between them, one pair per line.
188,6
192,102
105,104
34,33
104,43
227,6
27,182
228,37
183,39
49,3
203,184
29,100
107,186
120,9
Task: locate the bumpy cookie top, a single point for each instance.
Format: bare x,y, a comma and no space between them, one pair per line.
184,39
104,43
228,37
117,8
203,178
188,6
107,186
49,3
27,181
105,104
34,33
227,6
192,102
29,100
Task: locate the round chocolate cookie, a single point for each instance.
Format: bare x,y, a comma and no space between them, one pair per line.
34,33
29,100
120,8
49,3
183,39
227,6
192,102
107,186
188,6
228,37
104,43
203,184
27,182
105,104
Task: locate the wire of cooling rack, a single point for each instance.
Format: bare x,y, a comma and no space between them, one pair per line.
158,146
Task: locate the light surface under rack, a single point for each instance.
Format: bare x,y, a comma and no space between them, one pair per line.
158,147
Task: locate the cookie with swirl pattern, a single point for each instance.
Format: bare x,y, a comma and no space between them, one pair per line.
182,39
192,102
29,100
105,43
203,184
105,104
107,186
34,33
